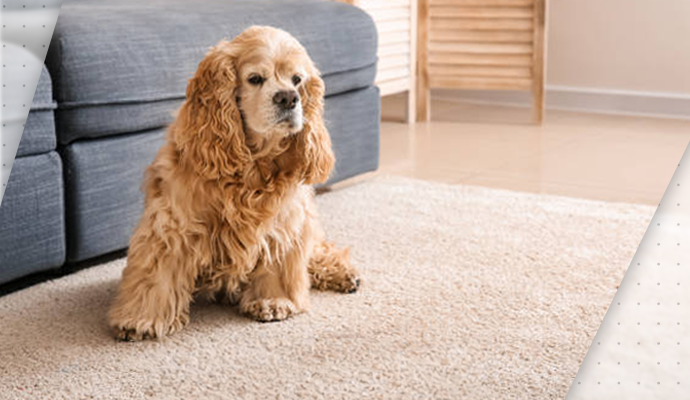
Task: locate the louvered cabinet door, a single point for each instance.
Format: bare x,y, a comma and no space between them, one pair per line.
396,22
481,44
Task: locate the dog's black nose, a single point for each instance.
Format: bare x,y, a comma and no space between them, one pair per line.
286,99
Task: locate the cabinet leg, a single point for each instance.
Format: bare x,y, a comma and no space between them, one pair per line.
411,106
423,100
538,104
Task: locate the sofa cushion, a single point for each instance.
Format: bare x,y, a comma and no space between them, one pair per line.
123,53
33,134
32,231
110,119
104,176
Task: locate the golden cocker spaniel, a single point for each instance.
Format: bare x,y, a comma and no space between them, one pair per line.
229,211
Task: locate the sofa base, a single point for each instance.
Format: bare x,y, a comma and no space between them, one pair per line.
32,230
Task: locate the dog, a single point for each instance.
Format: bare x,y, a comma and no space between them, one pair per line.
229,207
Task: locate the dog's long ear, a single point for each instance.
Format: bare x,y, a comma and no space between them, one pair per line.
319,159
209,132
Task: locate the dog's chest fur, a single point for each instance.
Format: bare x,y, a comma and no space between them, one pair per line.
237,250
279,233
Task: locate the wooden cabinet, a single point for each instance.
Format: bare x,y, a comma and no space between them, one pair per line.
459,44
481,44
396,22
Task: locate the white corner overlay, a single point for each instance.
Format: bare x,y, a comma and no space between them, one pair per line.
642,348
27,27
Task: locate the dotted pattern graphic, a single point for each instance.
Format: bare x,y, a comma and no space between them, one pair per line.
642,348
27,27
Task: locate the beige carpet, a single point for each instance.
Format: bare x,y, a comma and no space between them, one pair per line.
469,293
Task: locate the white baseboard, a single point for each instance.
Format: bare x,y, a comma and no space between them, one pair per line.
606,101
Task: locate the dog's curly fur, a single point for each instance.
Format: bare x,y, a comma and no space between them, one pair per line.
229,212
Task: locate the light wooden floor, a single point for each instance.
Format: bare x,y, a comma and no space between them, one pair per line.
604,157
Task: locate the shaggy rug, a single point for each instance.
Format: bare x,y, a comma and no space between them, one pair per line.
468,293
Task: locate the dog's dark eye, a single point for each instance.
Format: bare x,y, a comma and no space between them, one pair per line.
296,80
256,80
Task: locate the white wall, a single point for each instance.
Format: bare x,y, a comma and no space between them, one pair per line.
639,45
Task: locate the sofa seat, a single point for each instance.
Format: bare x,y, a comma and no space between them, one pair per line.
32,229
121,66
120,70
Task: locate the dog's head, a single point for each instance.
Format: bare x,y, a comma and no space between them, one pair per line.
261,83
269,75
274,74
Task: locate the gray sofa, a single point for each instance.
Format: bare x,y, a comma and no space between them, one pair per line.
118,70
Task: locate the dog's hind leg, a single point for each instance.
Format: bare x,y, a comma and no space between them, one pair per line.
330,269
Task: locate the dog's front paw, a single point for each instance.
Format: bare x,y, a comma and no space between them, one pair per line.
269,310
132,335
142,330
